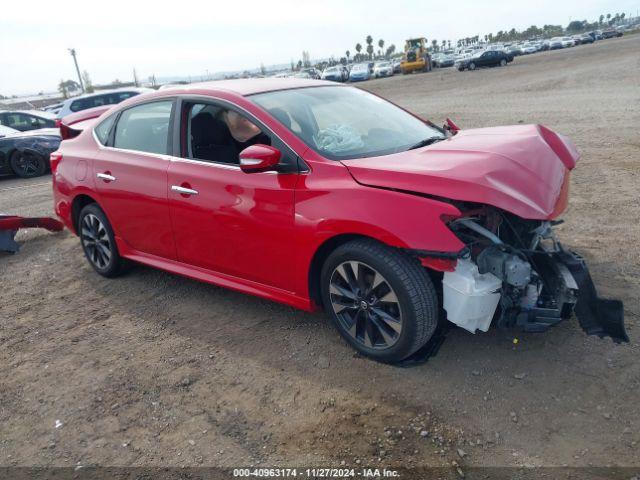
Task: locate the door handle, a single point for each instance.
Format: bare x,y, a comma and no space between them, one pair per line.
183,190
106,177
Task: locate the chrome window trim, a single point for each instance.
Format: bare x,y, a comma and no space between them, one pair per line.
226,166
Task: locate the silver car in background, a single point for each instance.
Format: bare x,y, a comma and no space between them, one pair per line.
98,99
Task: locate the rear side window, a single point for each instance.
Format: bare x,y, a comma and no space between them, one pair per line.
102,130
144,128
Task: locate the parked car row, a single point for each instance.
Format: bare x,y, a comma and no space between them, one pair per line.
497,54
358,72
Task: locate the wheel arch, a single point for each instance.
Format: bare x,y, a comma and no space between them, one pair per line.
322,253
79,202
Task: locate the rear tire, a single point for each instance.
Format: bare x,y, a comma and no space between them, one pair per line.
28,164
381,300
98,242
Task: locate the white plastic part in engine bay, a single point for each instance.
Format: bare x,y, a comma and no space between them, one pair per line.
470,298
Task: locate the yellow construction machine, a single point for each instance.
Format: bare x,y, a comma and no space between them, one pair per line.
416,58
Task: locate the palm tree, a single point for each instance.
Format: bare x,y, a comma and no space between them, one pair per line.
347,54
434,45
370,51
601,19
449,43
358,48
391,50
62,88
608,17
369,42
381,45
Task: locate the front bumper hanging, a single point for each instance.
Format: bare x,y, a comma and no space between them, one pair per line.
567,276
597,316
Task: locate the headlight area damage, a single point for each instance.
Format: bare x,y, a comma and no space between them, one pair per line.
516,273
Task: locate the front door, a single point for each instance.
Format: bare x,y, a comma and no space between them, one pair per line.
225,220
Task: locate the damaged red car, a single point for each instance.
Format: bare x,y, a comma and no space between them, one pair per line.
324,196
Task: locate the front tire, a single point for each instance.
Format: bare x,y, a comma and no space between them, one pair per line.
27,164
98,242
381,300
472,66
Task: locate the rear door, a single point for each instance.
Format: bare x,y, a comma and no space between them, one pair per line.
130,175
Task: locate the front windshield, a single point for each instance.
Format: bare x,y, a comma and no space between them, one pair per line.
344,122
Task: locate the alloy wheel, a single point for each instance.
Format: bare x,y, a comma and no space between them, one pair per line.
27,164
95,241
366,305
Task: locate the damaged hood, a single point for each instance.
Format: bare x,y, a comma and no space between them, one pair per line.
522,169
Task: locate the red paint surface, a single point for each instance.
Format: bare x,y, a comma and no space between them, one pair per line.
259,232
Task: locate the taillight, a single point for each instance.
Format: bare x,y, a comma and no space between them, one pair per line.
58,122
54,160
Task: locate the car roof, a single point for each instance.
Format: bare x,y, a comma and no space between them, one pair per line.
47,132
106,92
250,86
35,113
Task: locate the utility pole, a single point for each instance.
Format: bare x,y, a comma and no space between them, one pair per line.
72,51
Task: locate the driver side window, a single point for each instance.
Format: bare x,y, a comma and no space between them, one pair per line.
218,134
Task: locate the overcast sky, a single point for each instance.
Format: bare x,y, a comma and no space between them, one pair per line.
191,37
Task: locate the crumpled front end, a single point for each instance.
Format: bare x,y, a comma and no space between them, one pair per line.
515,273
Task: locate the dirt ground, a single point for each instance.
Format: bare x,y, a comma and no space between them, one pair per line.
156,370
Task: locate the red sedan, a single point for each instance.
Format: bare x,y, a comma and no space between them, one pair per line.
321,195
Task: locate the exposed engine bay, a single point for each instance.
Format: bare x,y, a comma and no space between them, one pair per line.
515,273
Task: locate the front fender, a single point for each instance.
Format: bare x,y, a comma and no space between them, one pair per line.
329,202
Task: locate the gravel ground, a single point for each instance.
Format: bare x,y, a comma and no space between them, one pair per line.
156,370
